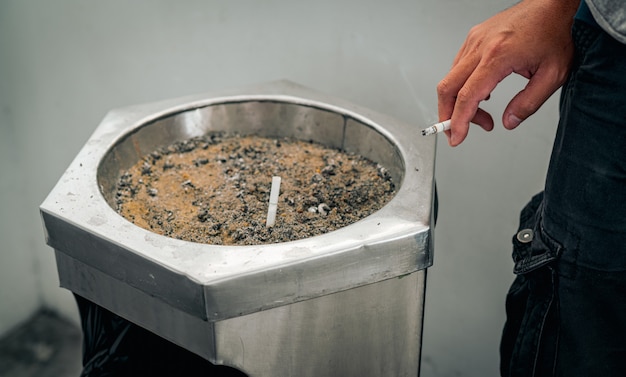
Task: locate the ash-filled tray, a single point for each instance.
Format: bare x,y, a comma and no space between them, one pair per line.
215,189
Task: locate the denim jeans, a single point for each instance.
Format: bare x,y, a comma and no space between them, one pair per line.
566,310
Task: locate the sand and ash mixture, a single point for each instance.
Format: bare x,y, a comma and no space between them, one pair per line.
215,189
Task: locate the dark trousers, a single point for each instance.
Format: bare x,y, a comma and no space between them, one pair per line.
566,310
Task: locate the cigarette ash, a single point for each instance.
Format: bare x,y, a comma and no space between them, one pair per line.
215,189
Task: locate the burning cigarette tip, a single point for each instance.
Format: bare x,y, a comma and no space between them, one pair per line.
436,128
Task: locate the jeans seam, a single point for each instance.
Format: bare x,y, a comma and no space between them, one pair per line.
546,313
546,310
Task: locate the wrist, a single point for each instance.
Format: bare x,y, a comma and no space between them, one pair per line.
556,11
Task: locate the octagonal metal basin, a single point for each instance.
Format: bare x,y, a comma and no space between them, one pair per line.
345,295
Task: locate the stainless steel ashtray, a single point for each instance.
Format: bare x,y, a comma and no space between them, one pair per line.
349,302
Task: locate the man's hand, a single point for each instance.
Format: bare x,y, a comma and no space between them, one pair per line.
532,39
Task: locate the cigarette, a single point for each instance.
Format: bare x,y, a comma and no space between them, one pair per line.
436,128
271,211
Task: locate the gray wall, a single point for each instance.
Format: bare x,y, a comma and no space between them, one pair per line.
65,63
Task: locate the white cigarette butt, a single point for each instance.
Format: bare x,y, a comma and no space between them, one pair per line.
273,204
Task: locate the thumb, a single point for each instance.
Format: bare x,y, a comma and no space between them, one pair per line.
529,100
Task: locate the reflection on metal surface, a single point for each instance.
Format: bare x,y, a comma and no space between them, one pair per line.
373,330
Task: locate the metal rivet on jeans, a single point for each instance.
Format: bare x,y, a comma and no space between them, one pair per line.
525,235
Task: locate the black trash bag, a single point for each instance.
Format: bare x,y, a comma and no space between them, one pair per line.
113,346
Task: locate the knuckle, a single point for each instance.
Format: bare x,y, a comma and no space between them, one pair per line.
561,74
528,107
465,95
474,34
444,88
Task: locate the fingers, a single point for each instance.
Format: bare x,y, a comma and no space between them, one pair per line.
465,62
481,118
460,94
525,103
449,87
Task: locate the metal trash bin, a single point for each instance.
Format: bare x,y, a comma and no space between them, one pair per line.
346,303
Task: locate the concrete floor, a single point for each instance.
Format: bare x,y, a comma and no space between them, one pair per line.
44,346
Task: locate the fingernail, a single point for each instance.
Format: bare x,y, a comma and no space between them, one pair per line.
513,121
452,140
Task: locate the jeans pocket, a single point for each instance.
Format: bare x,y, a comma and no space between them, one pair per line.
530,335
533,248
